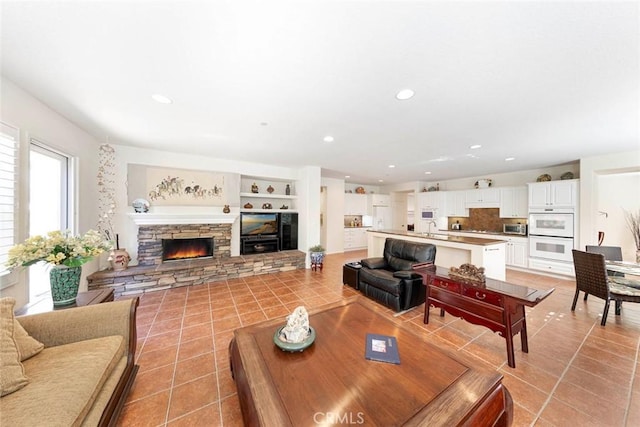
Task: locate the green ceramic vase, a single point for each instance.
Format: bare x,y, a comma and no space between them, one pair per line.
64,282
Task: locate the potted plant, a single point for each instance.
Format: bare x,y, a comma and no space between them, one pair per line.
316,254
65,253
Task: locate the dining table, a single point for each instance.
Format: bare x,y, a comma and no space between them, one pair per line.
629,270
624,267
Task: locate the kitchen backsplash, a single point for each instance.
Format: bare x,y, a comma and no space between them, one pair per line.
484,219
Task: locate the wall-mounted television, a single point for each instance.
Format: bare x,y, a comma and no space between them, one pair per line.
258,224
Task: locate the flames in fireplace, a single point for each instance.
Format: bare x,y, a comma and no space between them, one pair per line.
181,249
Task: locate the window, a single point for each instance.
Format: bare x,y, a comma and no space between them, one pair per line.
49,196
9,137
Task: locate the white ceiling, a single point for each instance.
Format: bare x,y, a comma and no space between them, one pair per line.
544,82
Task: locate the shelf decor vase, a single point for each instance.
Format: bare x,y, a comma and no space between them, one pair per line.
119,259
64,282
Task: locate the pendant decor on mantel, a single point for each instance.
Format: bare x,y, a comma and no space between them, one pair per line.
64,282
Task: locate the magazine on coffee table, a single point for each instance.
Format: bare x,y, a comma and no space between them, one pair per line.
382,348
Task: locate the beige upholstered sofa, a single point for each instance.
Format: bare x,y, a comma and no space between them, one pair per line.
82,375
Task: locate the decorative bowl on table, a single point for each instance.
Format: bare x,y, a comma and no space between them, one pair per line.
293,346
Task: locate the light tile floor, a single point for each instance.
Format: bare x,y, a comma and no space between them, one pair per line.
576,372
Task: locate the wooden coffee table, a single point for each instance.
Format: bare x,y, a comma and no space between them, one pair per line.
331,382
84,298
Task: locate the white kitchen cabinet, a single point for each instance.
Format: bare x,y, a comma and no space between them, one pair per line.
355,238
553,267
553,194
517,252
379,199
483,198
435,200
455,203
355,204
513,202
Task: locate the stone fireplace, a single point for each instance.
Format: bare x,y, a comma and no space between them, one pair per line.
180,225
191,248
153,238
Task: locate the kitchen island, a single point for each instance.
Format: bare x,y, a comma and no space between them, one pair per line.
451,251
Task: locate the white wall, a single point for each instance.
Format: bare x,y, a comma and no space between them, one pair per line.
608,184
35,119
511,179
307,189
334,215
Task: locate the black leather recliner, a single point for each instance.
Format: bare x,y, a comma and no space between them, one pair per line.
390,280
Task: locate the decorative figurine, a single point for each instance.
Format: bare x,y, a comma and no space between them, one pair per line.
297,329
254,188
270,189
226,209
287,190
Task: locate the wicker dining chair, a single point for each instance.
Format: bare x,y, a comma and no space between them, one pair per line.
611,253
592,279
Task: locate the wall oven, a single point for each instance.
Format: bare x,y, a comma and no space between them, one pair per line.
551,235
553,248
551,224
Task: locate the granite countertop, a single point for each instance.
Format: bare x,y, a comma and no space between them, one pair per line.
483,233
480,241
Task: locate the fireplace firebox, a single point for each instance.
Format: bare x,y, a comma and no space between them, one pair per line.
188,248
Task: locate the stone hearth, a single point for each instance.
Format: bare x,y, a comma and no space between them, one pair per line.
151,274
147,278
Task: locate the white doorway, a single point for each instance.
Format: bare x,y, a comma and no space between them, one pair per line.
48,205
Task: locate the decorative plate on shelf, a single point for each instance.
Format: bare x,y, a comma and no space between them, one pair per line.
293,346
140,205
567,175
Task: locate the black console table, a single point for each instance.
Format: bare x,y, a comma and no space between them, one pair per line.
259,244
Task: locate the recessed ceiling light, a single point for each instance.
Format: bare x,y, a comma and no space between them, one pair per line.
161,99
328,138
508,159
347,176
427,173
380,180
405,94
475,146
392,166
440,159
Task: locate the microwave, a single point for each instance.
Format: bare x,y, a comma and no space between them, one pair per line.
520,229
428,214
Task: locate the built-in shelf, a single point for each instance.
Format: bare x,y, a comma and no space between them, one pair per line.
276,198
267,196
